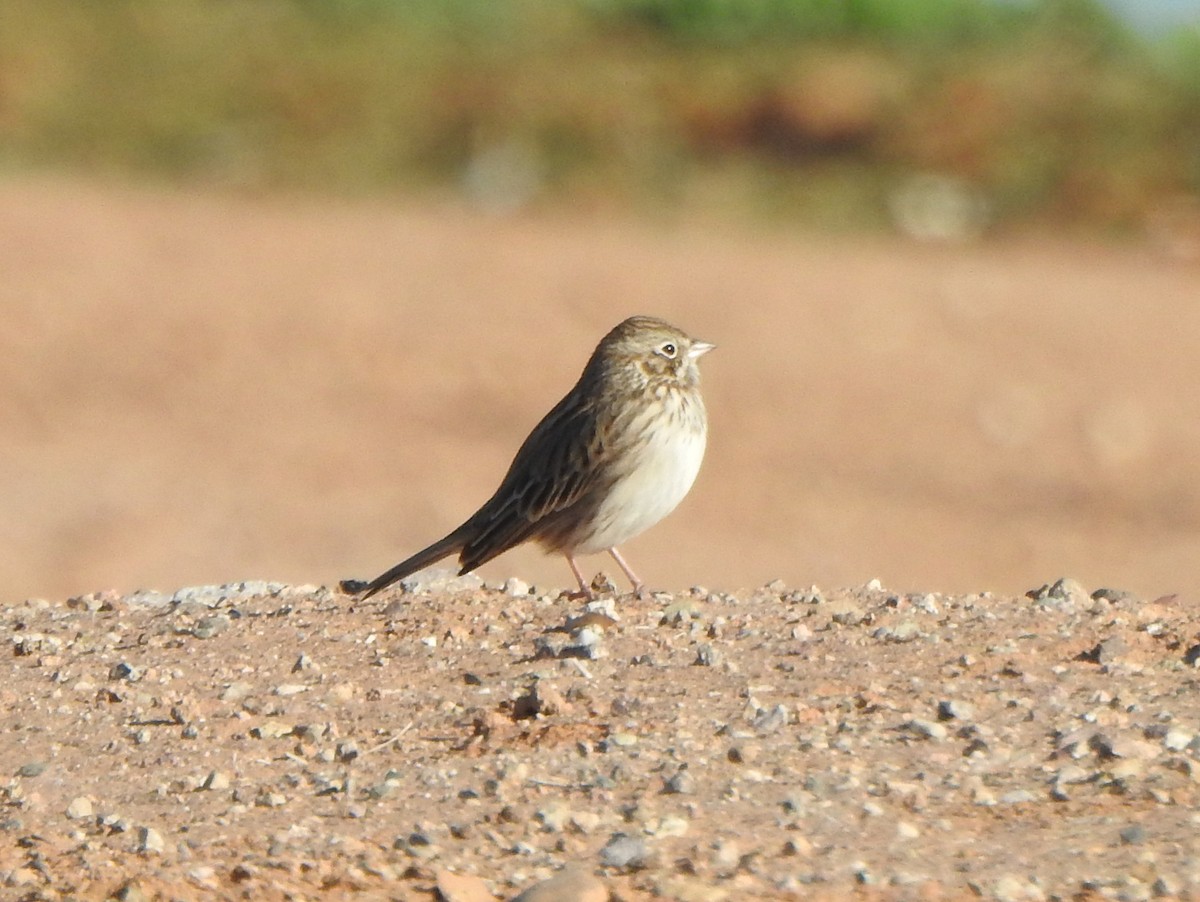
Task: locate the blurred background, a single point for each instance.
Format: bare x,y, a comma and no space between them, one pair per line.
283,285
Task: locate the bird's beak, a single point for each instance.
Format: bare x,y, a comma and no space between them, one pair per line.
699,349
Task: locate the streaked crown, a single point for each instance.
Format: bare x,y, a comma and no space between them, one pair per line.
652,349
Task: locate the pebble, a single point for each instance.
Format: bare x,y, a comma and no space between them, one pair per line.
585,643
31,769
150,840
240,591
904,631
381,790
568,885
124,671
1133,834
1126,769
845,612
1177,740
517,588
1065,594
707,655
1011,888
452,887
680,783
801,633
441,580
1110,746
726,855
1071,773
683,889
624,852
1191,657
271,729
1166,886
235,692
605,608
23,877
927,729
585,821
927,604
1113,596
798,845
208,627
1017,797
770,720
131,892
541,699
93,602
952,709
1109,651
742,754
548,647
80,808
671,825
907,830
554,816
812,595
680,611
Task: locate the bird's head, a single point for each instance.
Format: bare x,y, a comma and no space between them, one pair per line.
654,350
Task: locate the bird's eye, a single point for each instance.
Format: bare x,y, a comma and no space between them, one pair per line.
669,350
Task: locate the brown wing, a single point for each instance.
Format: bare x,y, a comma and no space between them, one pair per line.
552,471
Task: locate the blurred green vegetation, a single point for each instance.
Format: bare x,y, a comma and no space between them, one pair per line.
780,108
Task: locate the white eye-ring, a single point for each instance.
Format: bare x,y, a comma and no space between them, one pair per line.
668,350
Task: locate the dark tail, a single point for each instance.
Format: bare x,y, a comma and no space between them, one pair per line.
452,544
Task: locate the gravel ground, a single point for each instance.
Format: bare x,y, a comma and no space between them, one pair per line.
465,741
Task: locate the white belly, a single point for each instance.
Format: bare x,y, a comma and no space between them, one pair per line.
662,475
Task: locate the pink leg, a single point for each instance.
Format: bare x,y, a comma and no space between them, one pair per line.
584,591
638,586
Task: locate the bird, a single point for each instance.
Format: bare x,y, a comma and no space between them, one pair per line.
611,459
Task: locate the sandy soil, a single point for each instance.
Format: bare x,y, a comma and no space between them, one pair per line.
269,743
199,388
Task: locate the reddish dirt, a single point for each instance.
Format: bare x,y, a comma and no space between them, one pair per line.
279,743
201,387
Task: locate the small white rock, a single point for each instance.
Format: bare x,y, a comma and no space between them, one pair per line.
517,588
150,840
1177,740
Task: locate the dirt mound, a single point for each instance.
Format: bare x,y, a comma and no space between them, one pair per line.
274,742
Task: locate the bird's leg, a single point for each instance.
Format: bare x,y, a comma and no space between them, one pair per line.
584,591
639,587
